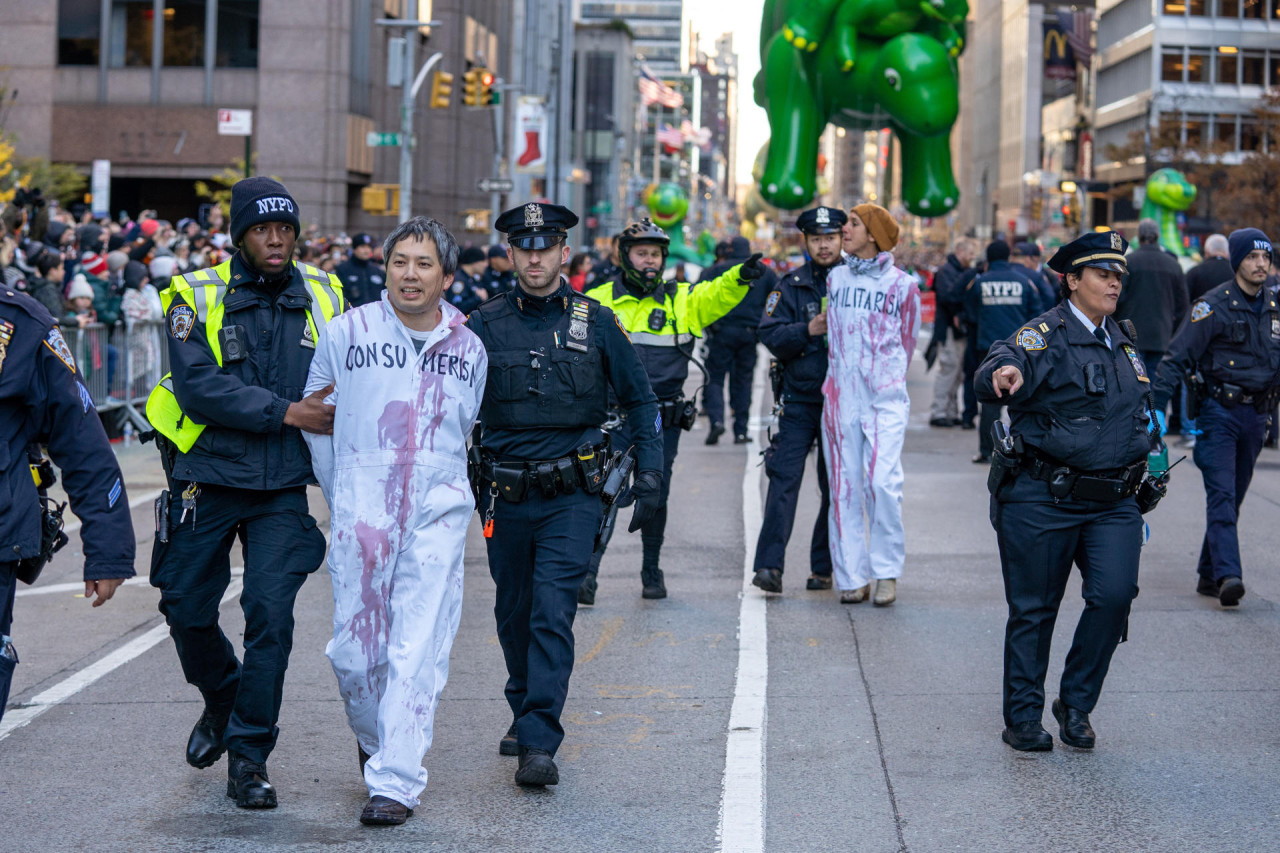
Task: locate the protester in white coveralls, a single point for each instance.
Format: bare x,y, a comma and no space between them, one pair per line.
408,378
873,315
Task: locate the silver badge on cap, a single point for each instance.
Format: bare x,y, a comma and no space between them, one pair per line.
532,215
1115,241
823,216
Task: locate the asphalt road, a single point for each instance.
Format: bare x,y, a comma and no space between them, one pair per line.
880,725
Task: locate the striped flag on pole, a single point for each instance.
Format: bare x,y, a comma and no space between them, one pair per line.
654,91
670,136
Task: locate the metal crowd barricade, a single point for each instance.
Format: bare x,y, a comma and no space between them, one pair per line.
121,364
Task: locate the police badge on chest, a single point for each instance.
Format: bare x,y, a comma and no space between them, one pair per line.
1275,327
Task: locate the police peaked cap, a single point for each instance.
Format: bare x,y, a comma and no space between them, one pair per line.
1102,249
822,220
536,225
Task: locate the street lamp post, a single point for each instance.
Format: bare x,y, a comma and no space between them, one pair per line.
409,91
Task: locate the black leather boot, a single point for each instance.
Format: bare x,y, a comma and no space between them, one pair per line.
536,768
652,582
247,783
205,745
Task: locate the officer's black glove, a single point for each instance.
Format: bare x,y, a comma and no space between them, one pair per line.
751,268
647,495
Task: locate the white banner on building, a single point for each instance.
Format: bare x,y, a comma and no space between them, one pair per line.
100,188
531,135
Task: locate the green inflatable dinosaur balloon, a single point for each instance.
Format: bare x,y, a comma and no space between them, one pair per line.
863,65
1168,191
668,205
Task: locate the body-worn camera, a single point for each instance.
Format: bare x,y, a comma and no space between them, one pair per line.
1095,380
234,348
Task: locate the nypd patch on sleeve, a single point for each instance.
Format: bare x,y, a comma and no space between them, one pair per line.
1030,339
772,302
1199,311
58,346
181,319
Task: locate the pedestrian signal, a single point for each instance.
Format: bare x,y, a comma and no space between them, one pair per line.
441,90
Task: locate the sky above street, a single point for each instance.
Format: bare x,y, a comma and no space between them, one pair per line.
711,19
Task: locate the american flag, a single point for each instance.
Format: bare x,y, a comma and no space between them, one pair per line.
699,136
1078,27
654,91
670,136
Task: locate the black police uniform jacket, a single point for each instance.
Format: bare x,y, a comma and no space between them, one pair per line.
999,301
1227,342
43,399
362,281
462,294
246,444
948,289
784,329
1053,411
1154,296
495,282
545,398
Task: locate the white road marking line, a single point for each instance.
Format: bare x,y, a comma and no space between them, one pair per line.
16,718
742,796
78,586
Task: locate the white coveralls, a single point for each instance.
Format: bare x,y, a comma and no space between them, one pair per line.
873,316
395,475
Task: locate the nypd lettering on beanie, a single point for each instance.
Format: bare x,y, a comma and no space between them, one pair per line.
275,204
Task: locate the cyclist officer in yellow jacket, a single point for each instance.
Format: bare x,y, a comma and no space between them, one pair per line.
662,318
241,337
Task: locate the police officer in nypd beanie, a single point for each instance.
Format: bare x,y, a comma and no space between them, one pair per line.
554,355
1229,353
241,337
794,328
1063,487
43,399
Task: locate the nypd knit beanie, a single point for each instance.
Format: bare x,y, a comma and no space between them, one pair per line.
1244,241
257,200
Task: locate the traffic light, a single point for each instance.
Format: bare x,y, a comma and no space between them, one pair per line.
441,89
477,90
380,199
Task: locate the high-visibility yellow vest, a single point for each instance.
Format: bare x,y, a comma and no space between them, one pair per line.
204,291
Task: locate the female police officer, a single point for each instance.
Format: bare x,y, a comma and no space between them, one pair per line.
1063,491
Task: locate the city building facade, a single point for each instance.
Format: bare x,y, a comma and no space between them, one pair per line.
141,84
656,27
1193,68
